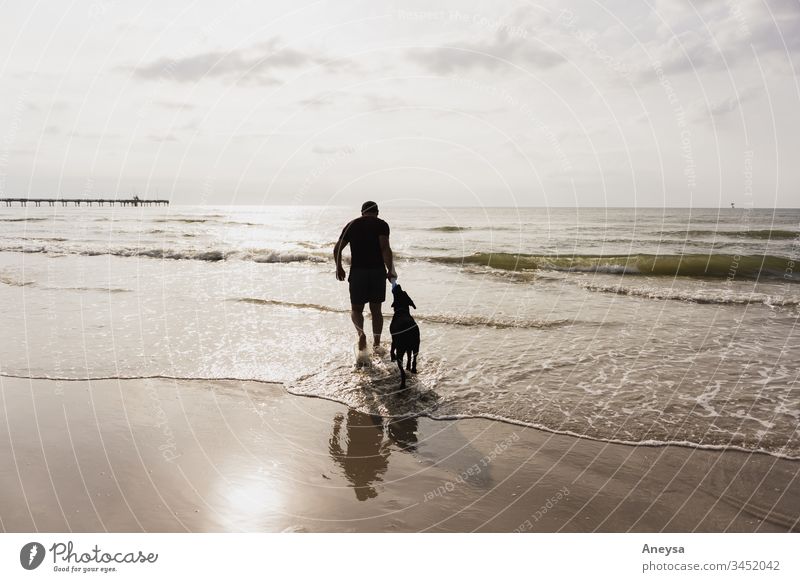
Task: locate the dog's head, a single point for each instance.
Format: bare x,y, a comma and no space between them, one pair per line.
401,299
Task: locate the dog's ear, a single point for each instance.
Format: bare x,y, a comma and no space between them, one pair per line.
410,301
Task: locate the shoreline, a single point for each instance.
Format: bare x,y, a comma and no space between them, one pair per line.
512,423
197,455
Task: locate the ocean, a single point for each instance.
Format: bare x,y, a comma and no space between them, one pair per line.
638,326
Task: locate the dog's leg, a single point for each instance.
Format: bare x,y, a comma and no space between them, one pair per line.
414,365
402,373
392,352
408,360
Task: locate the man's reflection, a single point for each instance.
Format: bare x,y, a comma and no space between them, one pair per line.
365,458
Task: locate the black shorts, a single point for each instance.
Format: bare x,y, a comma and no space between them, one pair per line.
367,285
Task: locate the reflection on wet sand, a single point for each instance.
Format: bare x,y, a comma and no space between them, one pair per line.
364,456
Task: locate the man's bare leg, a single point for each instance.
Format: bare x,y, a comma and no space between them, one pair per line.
357,315
377,322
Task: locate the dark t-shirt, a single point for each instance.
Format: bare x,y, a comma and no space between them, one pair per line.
362,234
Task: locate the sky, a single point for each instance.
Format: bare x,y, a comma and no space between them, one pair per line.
659,103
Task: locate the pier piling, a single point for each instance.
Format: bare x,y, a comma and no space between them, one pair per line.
135,201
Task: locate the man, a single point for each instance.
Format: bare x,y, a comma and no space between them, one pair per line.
370,266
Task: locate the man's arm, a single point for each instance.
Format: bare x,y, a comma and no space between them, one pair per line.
388,258
337,256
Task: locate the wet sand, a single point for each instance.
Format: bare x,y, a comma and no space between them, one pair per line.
164,455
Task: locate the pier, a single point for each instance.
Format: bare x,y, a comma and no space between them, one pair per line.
135,201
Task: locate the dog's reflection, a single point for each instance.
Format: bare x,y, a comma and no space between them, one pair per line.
368,442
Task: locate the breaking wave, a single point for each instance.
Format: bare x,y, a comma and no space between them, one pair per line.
26,219
208,255
446,319
689,265
756,233
696,296
454,228
112,290
184,220
14,281
449,228
722,266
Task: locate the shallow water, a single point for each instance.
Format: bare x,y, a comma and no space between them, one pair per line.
646,326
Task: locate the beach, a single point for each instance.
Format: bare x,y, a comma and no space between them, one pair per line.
165,455
190,368
384,269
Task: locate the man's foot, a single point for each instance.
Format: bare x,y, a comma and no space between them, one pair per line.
378,349
362,343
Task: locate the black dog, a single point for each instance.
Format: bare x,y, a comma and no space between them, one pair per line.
405,333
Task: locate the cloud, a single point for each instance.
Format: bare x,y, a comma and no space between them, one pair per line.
193,125
718,110
261,136
48,106
162,138
723,36
686,52
771,26
326,150
368,101
257,63
317,101
92,135
374,101
501,49
174,105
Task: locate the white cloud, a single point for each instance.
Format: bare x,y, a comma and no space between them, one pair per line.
501,50
257,63
720,109
335,149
